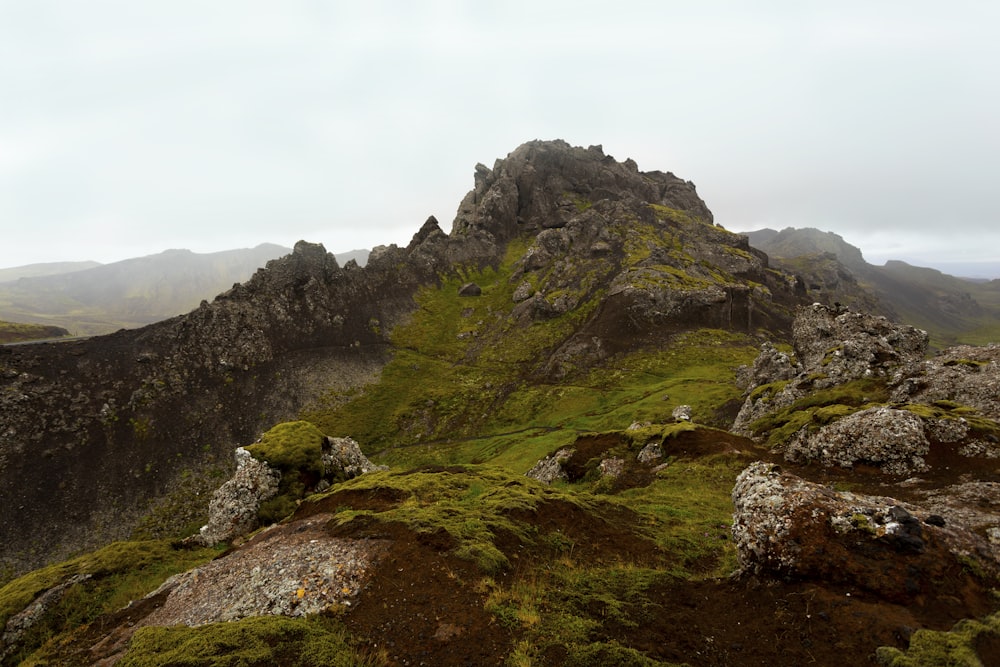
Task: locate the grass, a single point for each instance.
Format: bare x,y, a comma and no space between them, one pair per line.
119,573
259,641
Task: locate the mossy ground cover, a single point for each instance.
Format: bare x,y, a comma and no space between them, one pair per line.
818,408
261,641
970,643
119,573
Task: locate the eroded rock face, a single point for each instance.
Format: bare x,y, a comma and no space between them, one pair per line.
965,374
788,527
343,459
892,440
832,346
233,509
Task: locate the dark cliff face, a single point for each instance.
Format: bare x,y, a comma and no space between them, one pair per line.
92,431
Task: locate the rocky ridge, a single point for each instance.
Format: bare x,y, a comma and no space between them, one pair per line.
94,431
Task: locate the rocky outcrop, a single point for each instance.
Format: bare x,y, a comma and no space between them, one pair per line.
95,426
788,527
342,460
232,512
550,468
832,346
892,440
95,430
963,374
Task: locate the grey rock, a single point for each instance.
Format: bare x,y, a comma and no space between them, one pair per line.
612,468
682,413
470,289
550,468
343,459
232,512
892,440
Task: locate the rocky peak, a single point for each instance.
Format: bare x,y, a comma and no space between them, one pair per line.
543,184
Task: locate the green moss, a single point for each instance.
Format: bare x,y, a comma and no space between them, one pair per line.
295,449
474,505
952,648
766,392
119,573
820,407
252,642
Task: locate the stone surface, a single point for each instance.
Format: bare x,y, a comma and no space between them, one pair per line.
682,413
892,440
550,468
343,459
232,512
788,527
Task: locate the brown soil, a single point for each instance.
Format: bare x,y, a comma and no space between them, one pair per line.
424,606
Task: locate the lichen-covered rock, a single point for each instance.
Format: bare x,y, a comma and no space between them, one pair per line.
651,451
343,459
612,468
964,374
846,345
892,440
22,622
682,413
551,468
771,365
788,527
233,509
832,346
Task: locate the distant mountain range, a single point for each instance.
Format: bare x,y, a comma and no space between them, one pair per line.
88,298
951,309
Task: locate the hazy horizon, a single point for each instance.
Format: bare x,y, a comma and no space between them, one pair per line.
131,128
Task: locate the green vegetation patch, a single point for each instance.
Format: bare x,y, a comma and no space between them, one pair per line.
479,507
957,647
119,573
295,449
820,407
260,641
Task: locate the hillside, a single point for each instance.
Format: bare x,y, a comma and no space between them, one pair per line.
127,294
565,421
953,310
12,332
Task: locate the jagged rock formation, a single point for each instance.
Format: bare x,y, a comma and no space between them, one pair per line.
788,527
833,346
233,509
95,429
963,374
925,401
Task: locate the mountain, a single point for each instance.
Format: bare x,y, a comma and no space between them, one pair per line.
586,426
952,309
130,293
44,269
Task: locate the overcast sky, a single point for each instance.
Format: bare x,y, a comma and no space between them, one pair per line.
127,128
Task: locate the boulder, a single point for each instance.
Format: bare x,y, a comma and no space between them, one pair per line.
787,527
892,440
550,468
343,459
470,289
682,413
232,512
